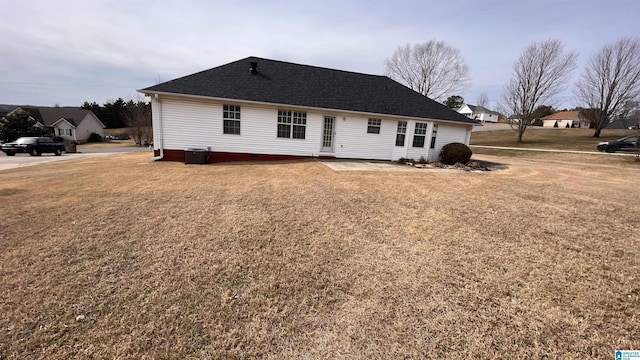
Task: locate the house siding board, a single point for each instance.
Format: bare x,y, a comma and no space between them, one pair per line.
89,124
466,111
446,134
561,123
198,123
66,125
353,141
189,124
486,117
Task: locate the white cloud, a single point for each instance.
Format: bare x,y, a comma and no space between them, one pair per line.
67,51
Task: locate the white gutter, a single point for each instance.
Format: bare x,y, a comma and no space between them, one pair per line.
161,145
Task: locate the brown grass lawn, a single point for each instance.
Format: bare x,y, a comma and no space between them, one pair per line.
548,138
123,258
107,144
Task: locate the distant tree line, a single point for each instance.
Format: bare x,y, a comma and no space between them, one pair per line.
114,114
119,113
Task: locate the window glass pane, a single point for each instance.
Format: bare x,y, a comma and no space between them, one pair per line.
373,126
231,117
231,127
402,127
418,141
400,140
299,117
284,131
284,116
298,131
421,129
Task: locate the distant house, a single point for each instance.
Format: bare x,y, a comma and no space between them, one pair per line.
70,123
262,109
479,113
565,119
514,119
624,124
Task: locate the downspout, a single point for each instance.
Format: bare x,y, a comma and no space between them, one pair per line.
161,145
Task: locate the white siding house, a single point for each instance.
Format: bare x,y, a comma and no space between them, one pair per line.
70,123
565,119
88,125
479,113
234,127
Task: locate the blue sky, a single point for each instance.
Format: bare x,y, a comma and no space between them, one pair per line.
65,52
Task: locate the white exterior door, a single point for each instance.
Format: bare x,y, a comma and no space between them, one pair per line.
327,133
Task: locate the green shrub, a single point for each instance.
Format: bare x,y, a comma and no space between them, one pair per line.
93,137
455,153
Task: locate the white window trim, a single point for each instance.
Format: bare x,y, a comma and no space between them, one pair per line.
292,118
236,111
373,123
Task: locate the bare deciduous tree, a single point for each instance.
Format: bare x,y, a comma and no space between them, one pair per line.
483,100
539,74
137,115
610,82
433,69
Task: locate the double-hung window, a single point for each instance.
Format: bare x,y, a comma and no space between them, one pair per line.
292,124
419,134
64,132
401,133
231,119
373,126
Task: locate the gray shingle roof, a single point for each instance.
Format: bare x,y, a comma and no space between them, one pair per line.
6,108
308,86
623,124
49,115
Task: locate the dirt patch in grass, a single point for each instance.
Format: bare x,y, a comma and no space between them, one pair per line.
119,257
9,191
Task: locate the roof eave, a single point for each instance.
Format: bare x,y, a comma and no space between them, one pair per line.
202,97
63,119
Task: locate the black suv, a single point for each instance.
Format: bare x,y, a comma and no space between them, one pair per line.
33,146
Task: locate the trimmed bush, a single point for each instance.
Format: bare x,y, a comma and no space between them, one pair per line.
93,137
455,153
